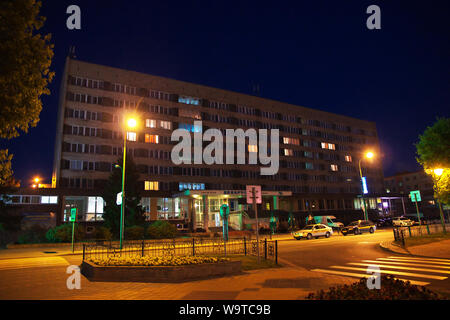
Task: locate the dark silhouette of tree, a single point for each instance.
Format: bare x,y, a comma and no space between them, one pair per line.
133,212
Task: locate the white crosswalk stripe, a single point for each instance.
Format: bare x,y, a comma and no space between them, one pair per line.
411,269
23,263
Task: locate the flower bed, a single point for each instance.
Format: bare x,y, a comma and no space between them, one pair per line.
156,261
158,269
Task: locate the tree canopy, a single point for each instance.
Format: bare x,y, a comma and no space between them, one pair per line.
25,59
433,151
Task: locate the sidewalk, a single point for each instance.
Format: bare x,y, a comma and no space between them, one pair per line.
440,249
287,283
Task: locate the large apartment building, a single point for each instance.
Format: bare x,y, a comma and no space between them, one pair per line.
318,154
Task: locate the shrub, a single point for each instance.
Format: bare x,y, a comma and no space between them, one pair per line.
161,230
103,233
34,234
391,289
134,233
63,233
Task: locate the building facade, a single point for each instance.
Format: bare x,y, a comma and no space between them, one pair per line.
318,154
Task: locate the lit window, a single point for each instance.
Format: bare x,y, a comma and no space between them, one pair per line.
348,158
166,125
252,148
288,152
151,138
334,167
131,136
149,123
330,146
151,185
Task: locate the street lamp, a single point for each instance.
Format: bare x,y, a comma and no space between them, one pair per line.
436,175
368,155
130,123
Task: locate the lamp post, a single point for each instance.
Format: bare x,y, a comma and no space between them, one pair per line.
130,123
368,155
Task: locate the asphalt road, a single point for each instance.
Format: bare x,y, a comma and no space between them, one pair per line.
351,255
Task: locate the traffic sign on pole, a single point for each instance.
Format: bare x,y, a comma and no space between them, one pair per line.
257,194
415,196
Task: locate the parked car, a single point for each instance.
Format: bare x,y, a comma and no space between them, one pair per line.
358,227
402,222
384,222
313,230
326,220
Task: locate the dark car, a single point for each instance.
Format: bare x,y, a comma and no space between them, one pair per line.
358,227
384,222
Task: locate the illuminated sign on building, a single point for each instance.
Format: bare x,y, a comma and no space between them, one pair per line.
364,183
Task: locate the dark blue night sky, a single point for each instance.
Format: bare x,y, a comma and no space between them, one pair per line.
317,54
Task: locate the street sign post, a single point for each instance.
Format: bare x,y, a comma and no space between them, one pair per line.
224,213
415,197
73,218
254,197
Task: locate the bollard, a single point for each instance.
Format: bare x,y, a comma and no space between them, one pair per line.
245,246
276,251
265,249
84,248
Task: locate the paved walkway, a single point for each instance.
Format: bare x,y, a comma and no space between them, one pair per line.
29,279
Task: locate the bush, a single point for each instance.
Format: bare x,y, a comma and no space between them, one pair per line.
103,233
134,233
162,230
391,289
34,234
63,233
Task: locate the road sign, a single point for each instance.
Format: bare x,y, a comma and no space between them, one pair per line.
415,196
119,199
224,211
249,191
73,214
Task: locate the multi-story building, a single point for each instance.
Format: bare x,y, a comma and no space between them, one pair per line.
405,182
318,154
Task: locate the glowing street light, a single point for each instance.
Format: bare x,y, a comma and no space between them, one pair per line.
436,175
129,123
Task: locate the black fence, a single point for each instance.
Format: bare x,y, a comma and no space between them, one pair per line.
268,249
401,233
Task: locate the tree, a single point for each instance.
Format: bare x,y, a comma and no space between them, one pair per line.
433,151
25,59
133,212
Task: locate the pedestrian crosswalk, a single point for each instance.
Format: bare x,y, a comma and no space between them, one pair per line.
418,271
22,263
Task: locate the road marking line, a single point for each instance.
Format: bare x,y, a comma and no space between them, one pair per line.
357,275
398,267
417,275
408,263
409,260
421,259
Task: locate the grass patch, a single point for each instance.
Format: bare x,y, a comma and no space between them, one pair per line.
425,239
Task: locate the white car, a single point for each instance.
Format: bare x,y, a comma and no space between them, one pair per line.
313,230
402,222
